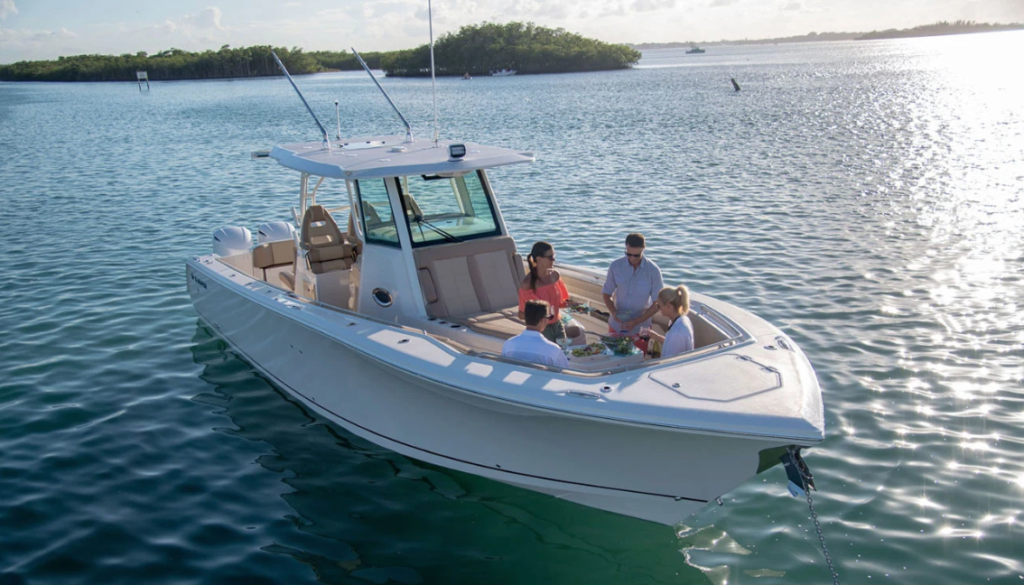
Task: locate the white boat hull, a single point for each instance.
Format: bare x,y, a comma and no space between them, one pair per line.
652,472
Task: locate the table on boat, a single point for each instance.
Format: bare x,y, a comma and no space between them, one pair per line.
602,361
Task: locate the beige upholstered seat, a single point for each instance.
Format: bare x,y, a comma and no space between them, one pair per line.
325,245
467,278
273,258
476,284
500,324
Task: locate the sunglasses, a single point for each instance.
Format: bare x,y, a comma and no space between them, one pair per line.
551,257
634,255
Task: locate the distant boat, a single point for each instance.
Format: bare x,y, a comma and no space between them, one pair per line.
695,51
467,76
503,73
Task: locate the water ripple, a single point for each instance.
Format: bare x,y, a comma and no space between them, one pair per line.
866,197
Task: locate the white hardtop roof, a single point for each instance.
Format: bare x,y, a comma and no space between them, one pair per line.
391,156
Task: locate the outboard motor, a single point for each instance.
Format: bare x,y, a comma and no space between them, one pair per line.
231,241
275,231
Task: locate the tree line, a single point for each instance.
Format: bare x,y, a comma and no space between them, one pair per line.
474,50
938,29
170,64
525,47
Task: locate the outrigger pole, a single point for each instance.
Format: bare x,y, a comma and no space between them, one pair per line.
327,139
408,127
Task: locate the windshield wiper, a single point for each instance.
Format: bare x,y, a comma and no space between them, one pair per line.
419,220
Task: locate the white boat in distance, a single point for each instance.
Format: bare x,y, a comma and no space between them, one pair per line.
392,328
503,72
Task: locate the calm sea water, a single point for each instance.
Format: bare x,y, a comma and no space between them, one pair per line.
866,197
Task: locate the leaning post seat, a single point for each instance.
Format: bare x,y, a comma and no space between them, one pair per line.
325,244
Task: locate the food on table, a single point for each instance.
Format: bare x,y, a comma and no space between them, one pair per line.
589,350
577,307
620,345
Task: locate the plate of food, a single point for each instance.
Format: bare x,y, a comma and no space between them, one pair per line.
589,351
576,307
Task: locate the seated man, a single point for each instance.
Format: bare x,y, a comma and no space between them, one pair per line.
531,345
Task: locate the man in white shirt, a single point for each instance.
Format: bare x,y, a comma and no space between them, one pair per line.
531,345
635,283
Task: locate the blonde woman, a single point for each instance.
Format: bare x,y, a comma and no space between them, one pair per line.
674,303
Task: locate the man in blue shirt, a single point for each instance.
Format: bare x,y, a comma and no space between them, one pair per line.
631,289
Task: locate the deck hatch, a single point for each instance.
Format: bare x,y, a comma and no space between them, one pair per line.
720,379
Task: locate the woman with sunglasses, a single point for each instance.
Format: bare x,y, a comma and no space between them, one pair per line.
674,303
543,283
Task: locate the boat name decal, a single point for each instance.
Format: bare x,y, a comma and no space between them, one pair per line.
198,281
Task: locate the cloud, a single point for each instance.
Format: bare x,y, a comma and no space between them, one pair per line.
27,44
7,7
614,9
792,6
649,5
209,18
721,3
189,31
27,36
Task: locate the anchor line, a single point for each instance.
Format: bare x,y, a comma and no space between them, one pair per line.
814,516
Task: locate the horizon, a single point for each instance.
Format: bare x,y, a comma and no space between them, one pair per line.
47,29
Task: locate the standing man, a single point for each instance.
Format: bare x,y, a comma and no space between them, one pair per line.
531,345
635,282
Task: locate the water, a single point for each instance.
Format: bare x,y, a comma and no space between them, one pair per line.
866,197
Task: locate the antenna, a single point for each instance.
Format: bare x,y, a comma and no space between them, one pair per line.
327,140
433,79
337,116
408,128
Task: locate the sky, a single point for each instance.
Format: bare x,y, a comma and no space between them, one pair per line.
46,29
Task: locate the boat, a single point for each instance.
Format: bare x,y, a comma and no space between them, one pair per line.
695,51
384,303
503,72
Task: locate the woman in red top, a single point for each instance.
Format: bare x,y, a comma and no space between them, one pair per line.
544,284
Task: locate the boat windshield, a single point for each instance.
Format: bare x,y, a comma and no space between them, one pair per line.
447,209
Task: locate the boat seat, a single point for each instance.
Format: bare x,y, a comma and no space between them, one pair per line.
504,324
370,215
351,237
326,247
465,279
412,209
273,258
704,332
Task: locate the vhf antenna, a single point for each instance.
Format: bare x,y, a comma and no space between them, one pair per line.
337,116
408,128
433,80
327,139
